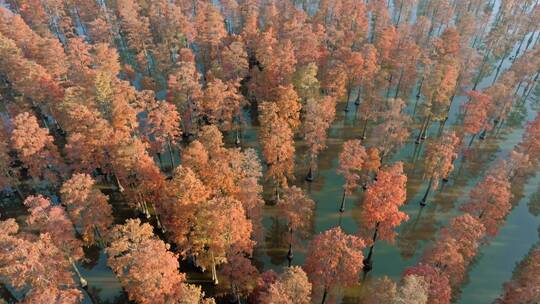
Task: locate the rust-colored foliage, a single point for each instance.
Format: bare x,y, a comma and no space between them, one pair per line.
297,208
334,259
278,147
440,156
143,263
490,201
476,112
291,287
87,207
439,291
382,201
351,161
36,149
35,266
525,284
53,220
318,119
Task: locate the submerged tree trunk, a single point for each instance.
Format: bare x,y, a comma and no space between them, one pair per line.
171,154
399,14
118,184
215,280
419,137
357,100
160,160
348,99
342,208
472,139
424,199
498,69
290,252
309,176
364,130
368,265
237,139
420,88
398,86
325,294
82,280
426,128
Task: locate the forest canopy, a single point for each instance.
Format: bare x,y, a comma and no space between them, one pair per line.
269,151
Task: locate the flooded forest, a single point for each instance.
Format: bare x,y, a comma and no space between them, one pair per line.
269,151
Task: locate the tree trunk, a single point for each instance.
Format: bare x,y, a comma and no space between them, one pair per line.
441,127
424,199
421,131
237,139
399,15
348,99
398,86
277,193
215,280
483,135
171,154
160,160
389,85
480,73
357,101
309,176
419,89
118,184
290,252
472,139
325,294
498,69
368,265
426,128
364,130
82,280
342,208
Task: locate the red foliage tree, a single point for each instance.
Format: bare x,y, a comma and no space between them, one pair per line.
146,268
439,161
291,287
8,174
439,291
163,128
476,113
87,207
36,149
184,88
525,284
490,201
278,146
334,259
47,218
318,119
220,229
382,200
530,143
137,30
298,210
35,266
220,104
240,275
184,192
210,32
468,231
392,131
445,255
351,161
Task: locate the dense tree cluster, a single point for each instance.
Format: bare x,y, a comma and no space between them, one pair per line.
124,127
